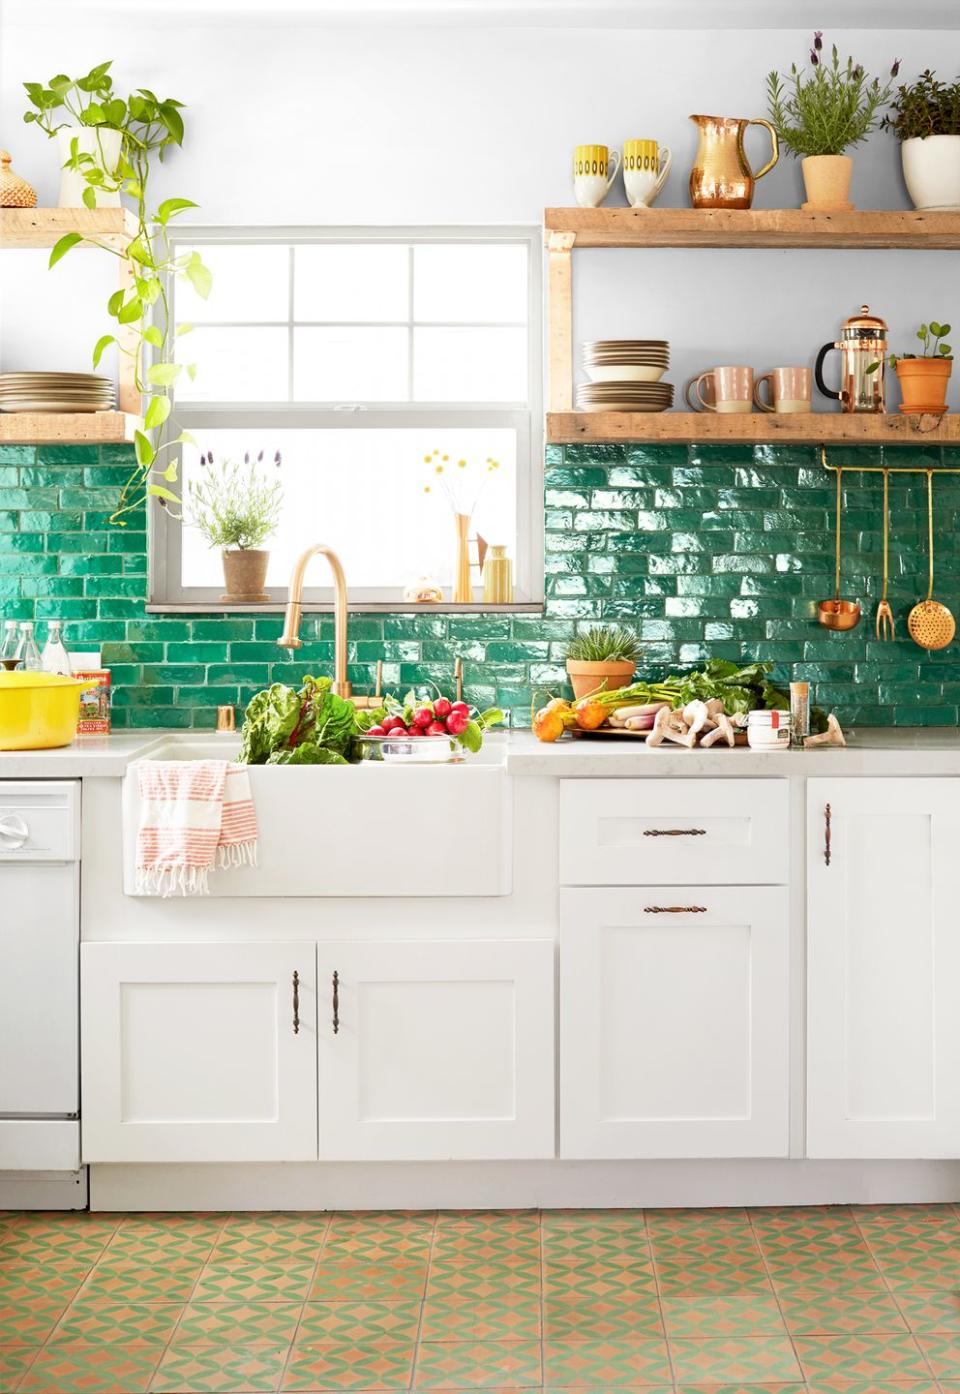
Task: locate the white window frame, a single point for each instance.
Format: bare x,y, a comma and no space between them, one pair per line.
166,591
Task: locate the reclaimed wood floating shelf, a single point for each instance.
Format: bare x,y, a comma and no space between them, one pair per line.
43,227
66,428
754,227
803,428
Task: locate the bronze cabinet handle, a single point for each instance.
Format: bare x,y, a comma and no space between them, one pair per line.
674,909
826,834
674,832
336,1002
296,1003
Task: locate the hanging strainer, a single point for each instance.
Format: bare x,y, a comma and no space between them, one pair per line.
930,624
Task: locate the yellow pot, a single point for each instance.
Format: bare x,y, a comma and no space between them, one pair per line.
38,711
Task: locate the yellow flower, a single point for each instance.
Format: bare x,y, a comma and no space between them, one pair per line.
426,459
461,464
446,457
438,469
426,488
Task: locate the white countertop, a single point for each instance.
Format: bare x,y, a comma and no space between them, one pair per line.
870,750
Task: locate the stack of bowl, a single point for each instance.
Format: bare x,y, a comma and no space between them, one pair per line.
625,375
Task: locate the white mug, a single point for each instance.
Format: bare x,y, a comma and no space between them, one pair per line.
645,170
594,170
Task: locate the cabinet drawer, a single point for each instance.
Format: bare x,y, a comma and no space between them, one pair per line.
39,820
638,832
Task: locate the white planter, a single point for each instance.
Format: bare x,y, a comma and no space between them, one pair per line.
104,145
931,168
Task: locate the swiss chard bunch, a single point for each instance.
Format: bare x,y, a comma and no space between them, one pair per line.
286,726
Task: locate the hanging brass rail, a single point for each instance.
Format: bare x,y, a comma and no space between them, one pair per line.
885,469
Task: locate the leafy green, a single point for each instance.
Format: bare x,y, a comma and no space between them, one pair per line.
284,726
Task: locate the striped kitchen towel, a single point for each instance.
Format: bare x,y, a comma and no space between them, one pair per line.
193,814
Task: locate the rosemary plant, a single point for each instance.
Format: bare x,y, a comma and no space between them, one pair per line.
832,108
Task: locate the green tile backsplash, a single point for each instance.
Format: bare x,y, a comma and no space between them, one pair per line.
709,551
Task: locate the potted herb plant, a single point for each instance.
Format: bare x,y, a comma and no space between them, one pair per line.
602,658
925,117
237,509
923,377
820,115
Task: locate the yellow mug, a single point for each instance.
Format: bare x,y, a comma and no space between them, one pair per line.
594,170
645,169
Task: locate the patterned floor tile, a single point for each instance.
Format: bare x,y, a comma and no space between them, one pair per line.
21,1280
800,1217
29,1323
46,1245
943,1353
466,1365
618,1319
927,1311
351,1322
898,1386
726,1314
91,1368
233,1245
230,1370
724,1359
243,1280
189,1224
894,1216
813,1312
481,1282
800,1268
350,1279
161,1247
738,1388
127,1324
503,1221
364,1366
14,1361
508,1249
552,1221
517,1318
697,1221
858,1357
610,1245
129,1281
605,1364
379,1221
248,1324
379,1248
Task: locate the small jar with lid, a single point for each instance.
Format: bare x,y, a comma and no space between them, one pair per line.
768,730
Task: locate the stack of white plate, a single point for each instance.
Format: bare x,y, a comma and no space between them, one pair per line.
66,392
626,360
624,396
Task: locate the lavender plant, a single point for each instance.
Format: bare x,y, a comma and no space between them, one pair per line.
837,105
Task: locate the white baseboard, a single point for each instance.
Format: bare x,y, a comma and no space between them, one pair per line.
43,1190
510,1185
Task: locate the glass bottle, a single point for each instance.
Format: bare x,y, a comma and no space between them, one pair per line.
27,651
8,651
55,656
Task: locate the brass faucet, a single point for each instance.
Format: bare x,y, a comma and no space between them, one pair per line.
290,638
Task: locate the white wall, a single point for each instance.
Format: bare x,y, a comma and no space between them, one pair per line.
407,124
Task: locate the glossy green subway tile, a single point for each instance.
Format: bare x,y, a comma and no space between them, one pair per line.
17,454
68,454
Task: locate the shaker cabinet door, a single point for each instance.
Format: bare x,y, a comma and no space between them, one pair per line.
436,1051
198,1052
674,1004
883,956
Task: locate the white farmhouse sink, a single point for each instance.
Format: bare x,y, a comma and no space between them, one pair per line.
360,830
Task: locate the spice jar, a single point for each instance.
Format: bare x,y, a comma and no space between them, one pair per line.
768,730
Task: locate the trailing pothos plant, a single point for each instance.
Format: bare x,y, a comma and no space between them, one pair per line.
148,126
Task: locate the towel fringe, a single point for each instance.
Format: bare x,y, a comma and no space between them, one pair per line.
237,854
166,881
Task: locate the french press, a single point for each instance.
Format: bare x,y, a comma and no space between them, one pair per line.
863,343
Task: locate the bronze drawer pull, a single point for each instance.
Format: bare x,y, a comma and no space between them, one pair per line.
336,1002
826,835
674,909
674,832
296,1003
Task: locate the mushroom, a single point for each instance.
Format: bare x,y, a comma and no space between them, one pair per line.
697,716
676,730
833,735
715,708
722,731
659,731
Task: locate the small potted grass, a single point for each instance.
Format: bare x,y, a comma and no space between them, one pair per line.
602,658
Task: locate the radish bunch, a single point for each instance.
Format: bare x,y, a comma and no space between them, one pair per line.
436,717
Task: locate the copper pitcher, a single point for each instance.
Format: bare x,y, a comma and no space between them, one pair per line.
721,176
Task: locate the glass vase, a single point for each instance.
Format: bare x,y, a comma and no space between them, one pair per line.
462,584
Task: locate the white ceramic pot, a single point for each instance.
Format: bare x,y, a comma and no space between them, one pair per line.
931,168
104,145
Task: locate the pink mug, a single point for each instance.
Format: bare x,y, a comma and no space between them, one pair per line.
732,390
790,390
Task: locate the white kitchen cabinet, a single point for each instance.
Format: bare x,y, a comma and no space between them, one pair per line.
434,1050
673,1022
883,945
199,1052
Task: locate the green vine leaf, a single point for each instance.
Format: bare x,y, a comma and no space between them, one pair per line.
157,412
163,374
153,336
131,311
199,276
170,207
114,303
102,343
160,492
144,449
61,248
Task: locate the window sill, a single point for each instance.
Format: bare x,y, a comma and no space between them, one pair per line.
359,607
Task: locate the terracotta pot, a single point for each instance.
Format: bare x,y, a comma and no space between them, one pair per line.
923,384
826,179
244,574
587,678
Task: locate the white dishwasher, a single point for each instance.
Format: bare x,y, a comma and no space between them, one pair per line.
39,977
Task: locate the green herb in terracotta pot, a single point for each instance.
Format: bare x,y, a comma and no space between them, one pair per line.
236,509
820,114
923,377
602,659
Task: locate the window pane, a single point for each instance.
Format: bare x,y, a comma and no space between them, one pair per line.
470,284
234,365
333,479
469,365
250,284
352,282
345,363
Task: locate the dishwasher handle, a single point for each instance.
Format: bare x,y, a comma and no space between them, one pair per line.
14,832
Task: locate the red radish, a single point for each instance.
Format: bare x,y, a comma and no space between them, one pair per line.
457,723
460,707
442,707
422,716
376,731
414,731
436,728
390,723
